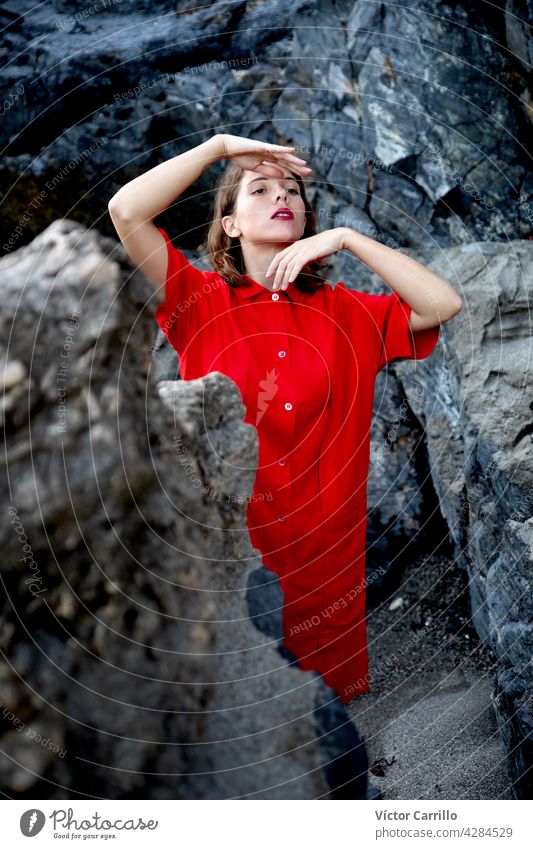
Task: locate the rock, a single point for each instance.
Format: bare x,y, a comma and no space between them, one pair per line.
396,155
512,704
129,567
473,398
428,720
518,17
109,93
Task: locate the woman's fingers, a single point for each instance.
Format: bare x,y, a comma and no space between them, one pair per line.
274,169
274,155
278,147
235,145
286,155
269,170
290,158
293,164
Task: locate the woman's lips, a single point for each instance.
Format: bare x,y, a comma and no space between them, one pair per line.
284,214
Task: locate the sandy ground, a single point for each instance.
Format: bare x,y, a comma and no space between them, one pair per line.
427,720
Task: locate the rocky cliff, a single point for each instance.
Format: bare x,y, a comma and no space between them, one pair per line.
414,120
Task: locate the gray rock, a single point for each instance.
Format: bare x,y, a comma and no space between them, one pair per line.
368,93
428,719
473,397
135,668
360,88
518,18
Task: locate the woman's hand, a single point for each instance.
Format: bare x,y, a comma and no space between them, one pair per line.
252,155
288,263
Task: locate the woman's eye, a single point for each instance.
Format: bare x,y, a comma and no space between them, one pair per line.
296,192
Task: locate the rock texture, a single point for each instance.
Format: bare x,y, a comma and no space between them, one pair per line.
427,719
271,726
474,399
414,120
127,566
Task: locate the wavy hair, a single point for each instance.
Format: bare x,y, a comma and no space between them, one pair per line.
225,251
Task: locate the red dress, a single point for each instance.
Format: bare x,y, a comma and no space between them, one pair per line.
305,365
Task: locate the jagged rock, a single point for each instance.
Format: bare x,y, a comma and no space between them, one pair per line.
367,92
518,18
107,92
473,397
127,562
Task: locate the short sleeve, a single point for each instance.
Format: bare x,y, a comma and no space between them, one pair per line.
389,319
184,287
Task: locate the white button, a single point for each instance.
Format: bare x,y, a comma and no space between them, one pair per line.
281,353
275,296
281,517
288,405
282,462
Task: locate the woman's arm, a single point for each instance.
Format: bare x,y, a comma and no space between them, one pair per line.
133,208
432,299
148,195
135,205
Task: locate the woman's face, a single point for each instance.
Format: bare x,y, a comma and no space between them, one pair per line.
258,199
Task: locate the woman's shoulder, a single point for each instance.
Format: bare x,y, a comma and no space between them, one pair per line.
184,277
348,298
356,308
348,295
330,293
345,296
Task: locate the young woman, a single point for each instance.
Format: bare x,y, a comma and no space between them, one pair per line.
304,355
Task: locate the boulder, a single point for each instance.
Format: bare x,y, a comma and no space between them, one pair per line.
135,669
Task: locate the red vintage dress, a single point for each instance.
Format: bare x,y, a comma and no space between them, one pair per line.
305,365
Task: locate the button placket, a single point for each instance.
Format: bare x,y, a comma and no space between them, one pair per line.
285,382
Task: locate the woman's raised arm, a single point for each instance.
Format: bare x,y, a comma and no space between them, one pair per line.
133,208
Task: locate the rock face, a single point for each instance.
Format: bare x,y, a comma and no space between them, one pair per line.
474,399
373,96
368,91
127,566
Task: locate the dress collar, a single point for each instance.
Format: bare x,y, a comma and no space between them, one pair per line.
255,288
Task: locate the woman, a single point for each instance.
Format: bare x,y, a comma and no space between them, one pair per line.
304,355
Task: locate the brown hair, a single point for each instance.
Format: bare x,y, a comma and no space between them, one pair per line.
225,251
